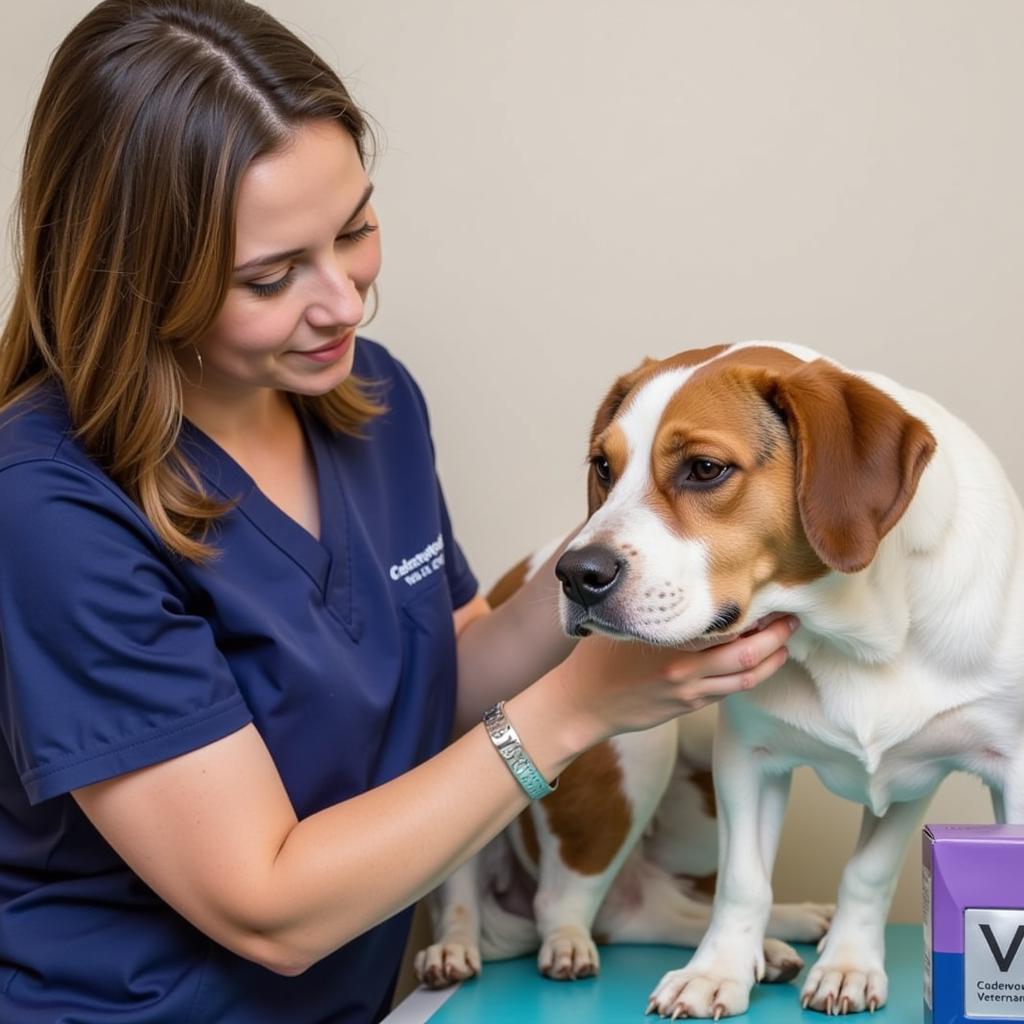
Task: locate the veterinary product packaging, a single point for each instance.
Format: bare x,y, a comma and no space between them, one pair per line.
973,881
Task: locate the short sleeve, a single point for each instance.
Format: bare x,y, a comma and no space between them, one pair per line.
462,582
105,669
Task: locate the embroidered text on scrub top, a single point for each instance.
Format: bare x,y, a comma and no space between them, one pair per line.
418,567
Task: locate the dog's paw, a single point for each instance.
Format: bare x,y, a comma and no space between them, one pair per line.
707,993
445,963
800,922
568,953
838,987
781,962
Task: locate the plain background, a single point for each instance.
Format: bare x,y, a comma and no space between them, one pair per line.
566,187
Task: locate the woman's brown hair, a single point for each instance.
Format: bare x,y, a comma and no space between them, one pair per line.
151,112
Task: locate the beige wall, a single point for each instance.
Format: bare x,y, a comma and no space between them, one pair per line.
568,186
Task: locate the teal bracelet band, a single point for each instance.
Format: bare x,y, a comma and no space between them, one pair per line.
506,742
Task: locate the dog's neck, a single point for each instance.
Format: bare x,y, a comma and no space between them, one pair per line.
864,616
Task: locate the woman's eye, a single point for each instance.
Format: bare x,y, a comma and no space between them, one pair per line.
265,290
602,468
358,233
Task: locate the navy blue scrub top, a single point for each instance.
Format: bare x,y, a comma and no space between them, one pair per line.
115,654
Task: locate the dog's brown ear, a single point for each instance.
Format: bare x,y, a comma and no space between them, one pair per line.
859,457
606,412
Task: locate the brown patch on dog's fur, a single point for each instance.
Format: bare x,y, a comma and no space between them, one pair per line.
588,812
751,523
858,454
692,357
508,584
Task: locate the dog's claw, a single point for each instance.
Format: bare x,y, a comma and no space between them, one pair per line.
845,1006
872,1004
719,1010
651,1004
805,1002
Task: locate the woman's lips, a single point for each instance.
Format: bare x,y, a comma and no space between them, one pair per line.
331,351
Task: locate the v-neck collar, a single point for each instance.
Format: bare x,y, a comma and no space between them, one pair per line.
317,558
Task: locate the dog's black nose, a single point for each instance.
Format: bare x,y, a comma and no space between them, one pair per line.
589,574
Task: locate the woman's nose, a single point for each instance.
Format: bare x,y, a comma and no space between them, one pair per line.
337,302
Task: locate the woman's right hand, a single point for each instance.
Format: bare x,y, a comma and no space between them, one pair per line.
616,686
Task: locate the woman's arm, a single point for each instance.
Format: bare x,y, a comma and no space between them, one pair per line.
501,652
214,834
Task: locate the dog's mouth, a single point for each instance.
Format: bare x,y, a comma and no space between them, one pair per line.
579,621
582,622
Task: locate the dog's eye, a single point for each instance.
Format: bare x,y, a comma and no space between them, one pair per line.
703,471
601,468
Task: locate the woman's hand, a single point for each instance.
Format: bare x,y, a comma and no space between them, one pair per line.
620,686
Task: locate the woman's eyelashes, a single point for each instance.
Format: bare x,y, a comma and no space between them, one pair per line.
267,289
272,287
358,233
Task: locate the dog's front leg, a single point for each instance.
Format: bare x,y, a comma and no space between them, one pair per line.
730,959
849,976
455,914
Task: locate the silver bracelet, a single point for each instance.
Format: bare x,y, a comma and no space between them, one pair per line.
506,742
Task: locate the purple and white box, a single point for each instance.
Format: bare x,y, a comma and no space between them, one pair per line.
973,923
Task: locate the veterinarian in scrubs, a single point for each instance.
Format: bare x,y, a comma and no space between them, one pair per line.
237,630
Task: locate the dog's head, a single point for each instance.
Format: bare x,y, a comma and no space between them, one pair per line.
718,471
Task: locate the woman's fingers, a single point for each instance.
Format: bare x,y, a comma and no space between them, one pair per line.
704,691
739,657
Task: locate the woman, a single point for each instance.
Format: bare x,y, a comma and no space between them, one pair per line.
231,604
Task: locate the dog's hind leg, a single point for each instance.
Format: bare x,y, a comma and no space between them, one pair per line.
585,831
646,904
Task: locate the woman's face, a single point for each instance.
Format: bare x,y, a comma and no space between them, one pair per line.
307,250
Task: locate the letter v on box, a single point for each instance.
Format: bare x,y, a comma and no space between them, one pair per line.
973,923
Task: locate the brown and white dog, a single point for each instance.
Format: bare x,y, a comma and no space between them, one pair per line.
732,482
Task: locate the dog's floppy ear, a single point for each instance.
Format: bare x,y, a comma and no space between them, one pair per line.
606,412
859,456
